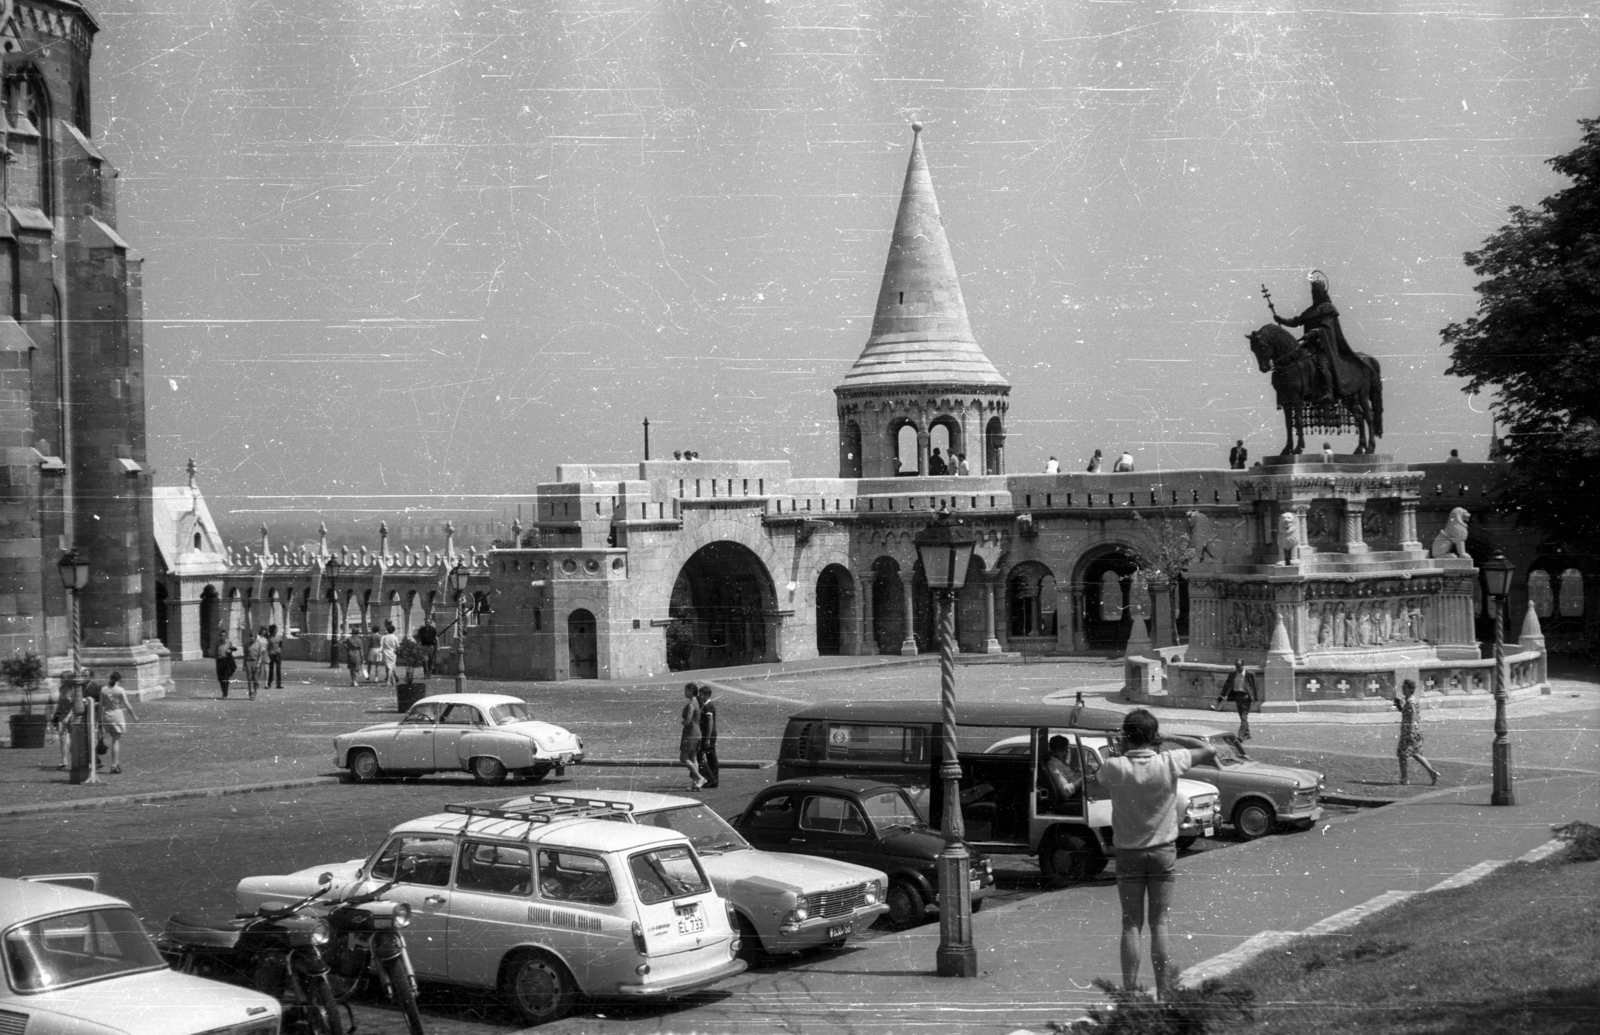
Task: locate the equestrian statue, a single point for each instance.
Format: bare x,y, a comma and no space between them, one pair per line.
1321,383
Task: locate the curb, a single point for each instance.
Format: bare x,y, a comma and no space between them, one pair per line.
1357,801
178,795
667,763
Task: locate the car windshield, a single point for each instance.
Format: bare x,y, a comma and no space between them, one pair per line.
1229,752
670,872
505,714
75,948
889,809
708,832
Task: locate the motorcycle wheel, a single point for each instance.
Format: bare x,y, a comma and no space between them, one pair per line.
404,987
326,1017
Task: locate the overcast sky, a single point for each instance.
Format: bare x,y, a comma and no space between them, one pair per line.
396,247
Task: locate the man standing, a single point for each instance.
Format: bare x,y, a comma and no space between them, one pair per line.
428,640
1238,456
1242,692
227,665
274,657
709,766
255,652
1144,831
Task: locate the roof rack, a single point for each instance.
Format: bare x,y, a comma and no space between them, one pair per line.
540,808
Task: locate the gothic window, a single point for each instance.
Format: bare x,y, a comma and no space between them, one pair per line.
1570,598
1539,592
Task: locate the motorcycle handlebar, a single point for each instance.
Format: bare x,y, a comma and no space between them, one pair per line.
371,896
293,908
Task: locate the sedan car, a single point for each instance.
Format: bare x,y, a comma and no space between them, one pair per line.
782,903
863,822
491,736
79,963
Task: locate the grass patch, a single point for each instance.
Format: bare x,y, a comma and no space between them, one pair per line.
1517,952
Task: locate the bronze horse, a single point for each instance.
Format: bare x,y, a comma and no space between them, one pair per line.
1294,379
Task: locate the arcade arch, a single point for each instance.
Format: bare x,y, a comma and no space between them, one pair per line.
994,447
903,435
850,450
1031,601
888,607
835,596
583,649
1100,590
722,610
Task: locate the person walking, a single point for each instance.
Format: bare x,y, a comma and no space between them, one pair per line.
117,709
255,653
428,640
689,739
390,647
373,645
227,665
61,718
1095,461
1242,692
274,657
710,768
354,652
1144,833
1410,744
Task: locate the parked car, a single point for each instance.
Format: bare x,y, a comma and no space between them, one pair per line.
866,822
80,963
491,736
782,903
1256,797
546,904
1006,802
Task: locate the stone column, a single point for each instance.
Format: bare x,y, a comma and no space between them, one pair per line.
991,645
1300,512
909,644
1408,525
183,624
1165,635
923,438
1079,641
868,644
1353,512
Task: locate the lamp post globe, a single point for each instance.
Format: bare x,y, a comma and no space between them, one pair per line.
945,549
1497,572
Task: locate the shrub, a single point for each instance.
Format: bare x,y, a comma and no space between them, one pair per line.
24,672
411,655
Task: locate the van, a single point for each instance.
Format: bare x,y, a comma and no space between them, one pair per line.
1007,805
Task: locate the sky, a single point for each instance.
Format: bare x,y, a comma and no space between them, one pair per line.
396,248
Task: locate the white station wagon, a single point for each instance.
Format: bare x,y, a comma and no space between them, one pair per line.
544,904
781,903
491,736
79,963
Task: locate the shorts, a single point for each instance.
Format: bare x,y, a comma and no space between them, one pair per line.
1154,865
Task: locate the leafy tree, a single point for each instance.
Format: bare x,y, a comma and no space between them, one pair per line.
1536,342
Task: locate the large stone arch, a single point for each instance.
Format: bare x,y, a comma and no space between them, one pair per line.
1092,628
723,610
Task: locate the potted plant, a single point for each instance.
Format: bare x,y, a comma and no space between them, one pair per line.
411,655
24,672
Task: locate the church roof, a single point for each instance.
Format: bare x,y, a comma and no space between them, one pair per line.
920,332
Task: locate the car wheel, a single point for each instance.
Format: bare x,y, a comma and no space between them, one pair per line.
489,771
364,767
538,773
1252,820
905,903
750,949
1186,843
1066,857
539,988
978,904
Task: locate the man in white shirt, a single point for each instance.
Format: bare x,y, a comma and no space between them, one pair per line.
1124,462
1144,830
1052,466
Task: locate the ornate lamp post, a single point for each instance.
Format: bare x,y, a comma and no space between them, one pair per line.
74,571
459,576
331,569
945,550
1497,582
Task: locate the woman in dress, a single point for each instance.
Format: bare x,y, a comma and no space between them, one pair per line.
116,710
1410,745
689,740
390,645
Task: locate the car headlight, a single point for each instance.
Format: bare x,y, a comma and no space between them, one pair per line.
874,893
798,915
402,915
320,933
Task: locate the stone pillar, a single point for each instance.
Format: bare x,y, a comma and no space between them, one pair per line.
1353,541
1164,634
1300,512
868,644
923,438
991,645
1408,525
183,624
909,644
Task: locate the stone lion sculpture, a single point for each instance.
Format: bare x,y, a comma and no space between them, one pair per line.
1289,537
1452,538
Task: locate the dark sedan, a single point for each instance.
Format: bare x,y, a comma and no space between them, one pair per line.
864,822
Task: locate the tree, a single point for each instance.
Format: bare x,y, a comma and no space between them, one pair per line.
1536,343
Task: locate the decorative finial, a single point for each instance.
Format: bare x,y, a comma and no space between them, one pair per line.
916,127
322,529
383,529
190,466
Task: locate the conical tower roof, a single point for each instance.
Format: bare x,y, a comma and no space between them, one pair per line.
920,331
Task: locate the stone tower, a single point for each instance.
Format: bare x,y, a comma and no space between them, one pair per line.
921,371
72,413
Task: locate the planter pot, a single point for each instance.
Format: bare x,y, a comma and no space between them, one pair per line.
408,694
27,731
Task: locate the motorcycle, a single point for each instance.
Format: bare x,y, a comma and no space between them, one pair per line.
277,951
368,946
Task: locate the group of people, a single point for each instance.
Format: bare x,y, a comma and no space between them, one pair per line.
263,661
1096,462
685,454
114,709
947,463
697,745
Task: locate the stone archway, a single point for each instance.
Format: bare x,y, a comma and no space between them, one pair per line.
888,607
723,609
209,621
1100,589
583,653
835,589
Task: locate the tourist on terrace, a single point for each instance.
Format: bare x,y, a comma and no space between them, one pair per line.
936,463
1052,466
1238,456
961,465
1094,462
1124,462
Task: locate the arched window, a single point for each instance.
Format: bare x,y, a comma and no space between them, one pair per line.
1540,593
994,447
905,449
850,460
1570,598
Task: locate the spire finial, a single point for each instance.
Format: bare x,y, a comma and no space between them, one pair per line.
916,127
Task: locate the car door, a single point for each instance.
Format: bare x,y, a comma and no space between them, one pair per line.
457,721
422,864
836,828
412,745
488,908
770,823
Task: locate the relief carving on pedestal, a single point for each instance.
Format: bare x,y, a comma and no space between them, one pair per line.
1322,522
1377,622
1377,524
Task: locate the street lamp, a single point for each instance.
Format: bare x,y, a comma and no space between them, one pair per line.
74,577
1497,582
331,569
74,571
945,550
459,577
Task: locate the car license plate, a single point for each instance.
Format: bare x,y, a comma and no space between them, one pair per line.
975,884
838,931
563,760
690,921
1210,830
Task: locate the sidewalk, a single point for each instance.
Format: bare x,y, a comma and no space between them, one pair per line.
1038,957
